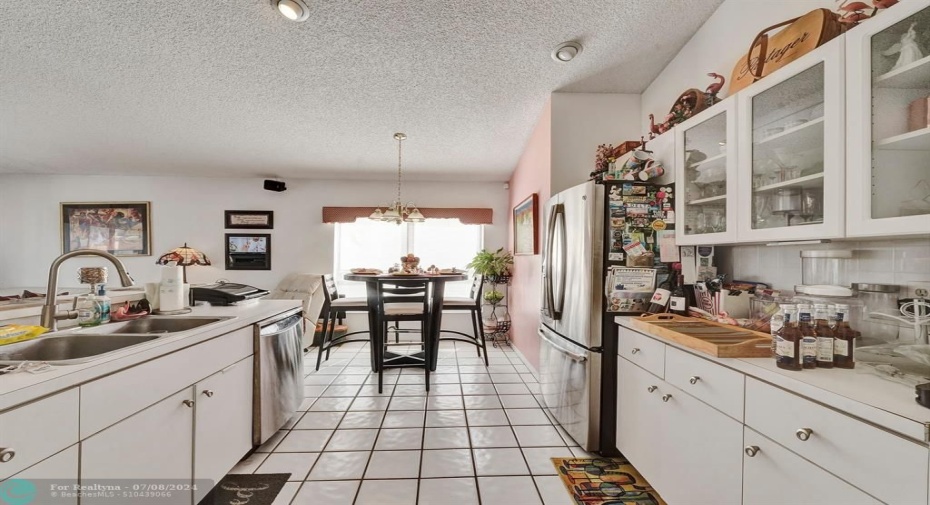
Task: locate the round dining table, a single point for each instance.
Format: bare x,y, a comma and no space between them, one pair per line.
438,282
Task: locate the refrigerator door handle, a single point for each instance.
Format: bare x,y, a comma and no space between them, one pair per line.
563,260
571,355
547,271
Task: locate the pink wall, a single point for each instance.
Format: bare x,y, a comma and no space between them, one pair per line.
532,175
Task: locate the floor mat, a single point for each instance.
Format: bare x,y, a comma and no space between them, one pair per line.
605,481
254,489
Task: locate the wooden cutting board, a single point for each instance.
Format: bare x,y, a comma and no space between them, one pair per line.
716,339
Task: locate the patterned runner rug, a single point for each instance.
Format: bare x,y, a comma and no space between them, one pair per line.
605,481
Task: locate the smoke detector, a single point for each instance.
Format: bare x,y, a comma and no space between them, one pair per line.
566,51
295,10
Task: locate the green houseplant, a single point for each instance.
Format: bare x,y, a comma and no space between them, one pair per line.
494,266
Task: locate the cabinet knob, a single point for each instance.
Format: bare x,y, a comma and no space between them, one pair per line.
208,393
188,403
694,380
804,434
751,450
666,397
6,454
635,350
652,388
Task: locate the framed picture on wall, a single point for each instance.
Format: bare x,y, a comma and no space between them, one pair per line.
525,234
248,251
119,228
254,219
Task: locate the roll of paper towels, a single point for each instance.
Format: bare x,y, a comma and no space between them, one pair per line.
170,297
172,275
152,290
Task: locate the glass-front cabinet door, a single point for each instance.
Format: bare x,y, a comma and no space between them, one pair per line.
791,150
888,137
705,161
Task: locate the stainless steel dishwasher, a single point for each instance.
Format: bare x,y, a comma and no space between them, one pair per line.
279,374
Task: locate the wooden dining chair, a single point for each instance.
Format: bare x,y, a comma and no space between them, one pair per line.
401,300
334,308
472,305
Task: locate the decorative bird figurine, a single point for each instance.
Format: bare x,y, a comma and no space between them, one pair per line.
715,87
653,128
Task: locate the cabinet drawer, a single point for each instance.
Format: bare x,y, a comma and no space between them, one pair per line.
773,469
707,381
106,401
62,468
37,430
882,464
646,352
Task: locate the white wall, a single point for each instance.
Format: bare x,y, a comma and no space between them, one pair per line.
716,46
581,122
191,210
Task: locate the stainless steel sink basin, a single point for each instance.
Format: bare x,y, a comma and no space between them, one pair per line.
68,348
152,325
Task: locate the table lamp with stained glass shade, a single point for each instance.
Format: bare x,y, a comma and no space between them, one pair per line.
184,257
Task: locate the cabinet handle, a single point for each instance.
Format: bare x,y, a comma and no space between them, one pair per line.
804,434
694,380
6,454
751,450
652,388
208,393
666,397
635,350
188,403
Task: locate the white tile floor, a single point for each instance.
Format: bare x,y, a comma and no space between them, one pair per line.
479,437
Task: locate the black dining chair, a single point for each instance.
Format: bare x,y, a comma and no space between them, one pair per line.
472,305
334,309
401,300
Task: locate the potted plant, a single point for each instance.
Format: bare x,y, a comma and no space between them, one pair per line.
493,297
494,266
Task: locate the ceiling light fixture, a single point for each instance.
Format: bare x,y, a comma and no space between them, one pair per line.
566,51
295,10
399,212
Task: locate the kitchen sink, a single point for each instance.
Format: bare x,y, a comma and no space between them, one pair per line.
152,325
68,348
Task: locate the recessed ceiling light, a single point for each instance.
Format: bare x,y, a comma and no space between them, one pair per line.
295,10
566,51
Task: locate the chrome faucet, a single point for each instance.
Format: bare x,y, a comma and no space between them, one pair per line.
49,316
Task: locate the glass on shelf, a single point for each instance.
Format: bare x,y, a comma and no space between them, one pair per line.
706,176
901,119
788,151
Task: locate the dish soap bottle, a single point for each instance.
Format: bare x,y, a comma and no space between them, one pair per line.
104,302
88,310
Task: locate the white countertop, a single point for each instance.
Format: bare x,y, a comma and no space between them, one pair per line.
861,394
22,387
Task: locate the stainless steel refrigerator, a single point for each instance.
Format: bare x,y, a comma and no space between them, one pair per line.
578,347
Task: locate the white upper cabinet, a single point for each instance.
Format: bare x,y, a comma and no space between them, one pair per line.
888,134
791,150
705,161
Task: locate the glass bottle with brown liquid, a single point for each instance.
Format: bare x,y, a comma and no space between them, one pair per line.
825,336
788,340
843,344
808,337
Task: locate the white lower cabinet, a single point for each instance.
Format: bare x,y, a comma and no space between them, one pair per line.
35,431
61,468
774,475
688,451
223,423
155,443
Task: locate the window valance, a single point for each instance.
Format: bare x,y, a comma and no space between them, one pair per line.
465,215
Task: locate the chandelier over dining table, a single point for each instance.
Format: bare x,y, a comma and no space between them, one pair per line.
399,212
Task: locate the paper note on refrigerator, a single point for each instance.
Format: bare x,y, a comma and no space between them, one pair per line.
668,249
689,264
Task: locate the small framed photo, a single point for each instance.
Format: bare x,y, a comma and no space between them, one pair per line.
248,251
254,219
119,228
525,233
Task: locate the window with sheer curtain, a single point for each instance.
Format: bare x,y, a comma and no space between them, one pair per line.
365,243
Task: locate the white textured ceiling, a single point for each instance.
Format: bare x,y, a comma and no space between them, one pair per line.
232,88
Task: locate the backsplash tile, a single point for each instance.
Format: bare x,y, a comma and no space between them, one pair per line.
880,261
